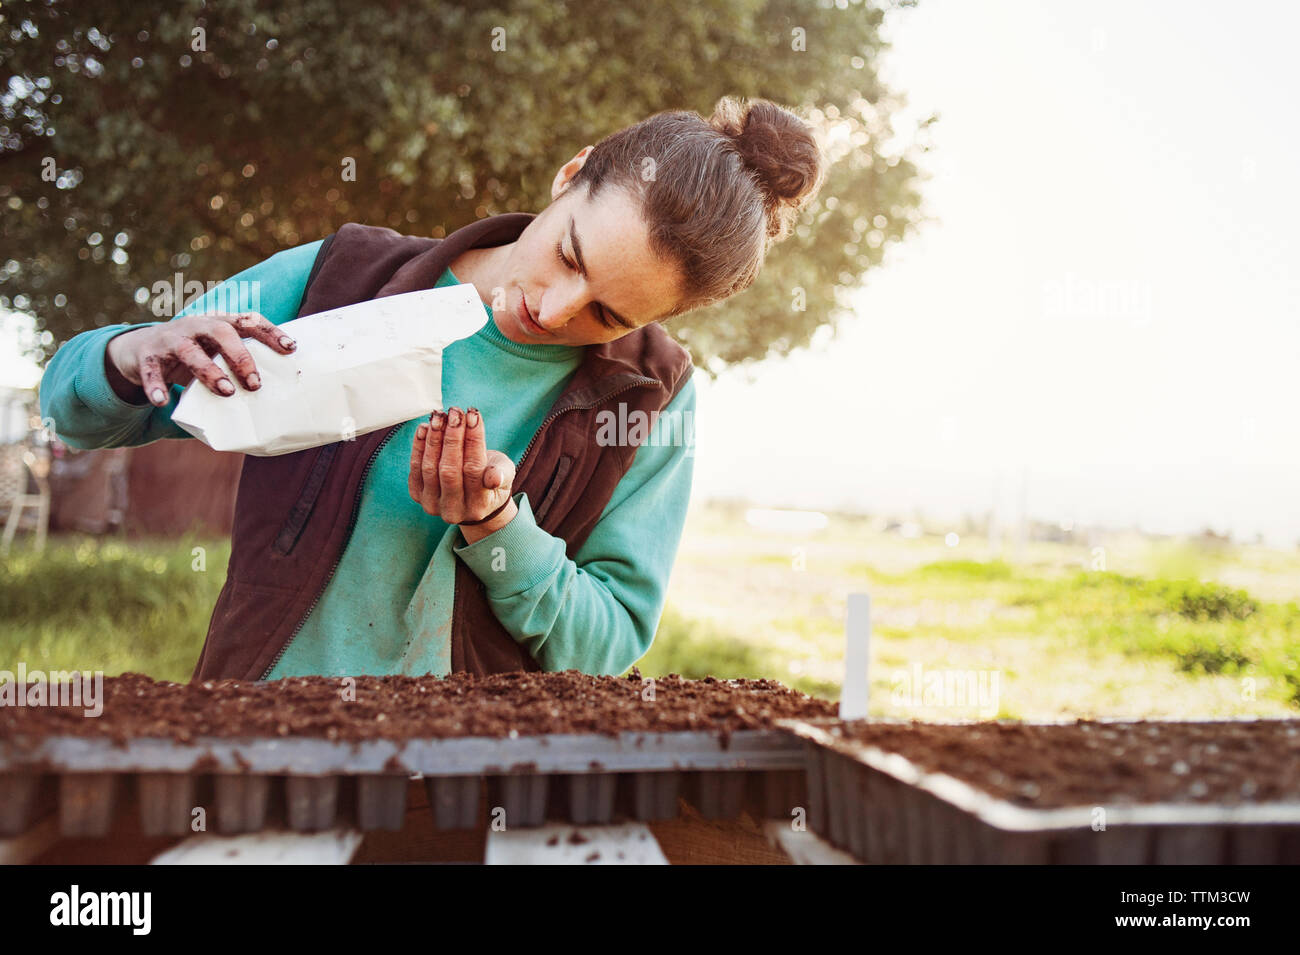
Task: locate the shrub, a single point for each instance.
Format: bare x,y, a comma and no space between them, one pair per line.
1201,601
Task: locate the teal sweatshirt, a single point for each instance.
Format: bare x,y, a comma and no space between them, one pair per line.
387,607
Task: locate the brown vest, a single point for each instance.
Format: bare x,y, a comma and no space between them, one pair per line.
294,513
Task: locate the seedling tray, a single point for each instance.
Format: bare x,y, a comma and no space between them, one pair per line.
312,784
884,808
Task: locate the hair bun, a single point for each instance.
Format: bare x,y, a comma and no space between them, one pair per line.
778,146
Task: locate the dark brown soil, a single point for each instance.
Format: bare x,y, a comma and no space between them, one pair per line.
1087,763
402,707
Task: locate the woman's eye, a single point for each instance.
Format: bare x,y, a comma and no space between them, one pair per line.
559,252
600,316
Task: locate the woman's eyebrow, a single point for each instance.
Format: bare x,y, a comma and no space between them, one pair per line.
582,267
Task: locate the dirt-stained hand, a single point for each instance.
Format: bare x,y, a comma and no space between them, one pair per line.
176,352
454,476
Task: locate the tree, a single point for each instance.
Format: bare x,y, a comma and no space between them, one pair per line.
136,142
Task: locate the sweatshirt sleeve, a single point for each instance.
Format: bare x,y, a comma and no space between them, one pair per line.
597,613
85,410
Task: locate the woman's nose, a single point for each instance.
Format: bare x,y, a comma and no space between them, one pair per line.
558,308
553,319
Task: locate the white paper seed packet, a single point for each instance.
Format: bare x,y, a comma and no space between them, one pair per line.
356,369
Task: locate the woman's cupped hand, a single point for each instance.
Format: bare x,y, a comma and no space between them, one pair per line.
454,476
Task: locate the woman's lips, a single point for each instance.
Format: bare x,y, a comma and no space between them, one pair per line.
526,320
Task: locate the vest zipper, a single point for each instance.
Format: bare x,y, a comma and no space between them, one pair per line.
356,506
356,501
641,383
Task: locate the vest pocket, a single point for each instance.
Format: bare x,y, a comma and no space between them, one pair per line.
553,488
297,520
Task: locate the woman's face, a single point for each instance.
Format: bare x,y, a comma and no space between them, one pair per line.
582,272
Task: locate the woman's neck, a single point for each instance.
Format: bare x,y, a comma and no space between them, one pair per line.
481,268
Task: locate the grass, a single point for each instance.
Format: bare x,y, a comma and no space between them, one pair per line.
1174,630
964,570
92,604
694,650
1203,627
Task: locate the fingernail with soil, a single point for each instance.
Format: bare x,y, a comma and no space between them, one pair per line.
435,421
255,380
286,342
225,387
471,417
453,418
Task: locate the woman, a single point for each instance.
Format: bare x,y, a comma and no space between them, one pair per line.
517,530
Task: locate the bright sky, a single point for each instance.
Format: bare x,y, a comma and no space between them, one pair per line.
1109,298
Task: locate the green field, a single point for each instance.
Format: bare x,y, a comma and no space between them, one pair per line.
1167,628
1120,626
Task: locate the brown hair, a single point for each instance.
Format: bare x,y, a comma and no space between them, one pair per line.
715,194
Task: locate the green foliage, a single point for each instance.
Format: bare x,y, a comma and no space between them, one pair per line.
206,157
1205,627
1212,659
695,650
1293,689
968,570
91,576
1193,599
103,605
1201,601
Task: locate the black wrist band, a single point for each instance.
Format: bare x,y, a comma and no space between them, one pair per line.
484,520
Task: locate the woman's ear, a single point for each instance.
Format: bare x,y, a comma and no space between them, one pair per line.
568,171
